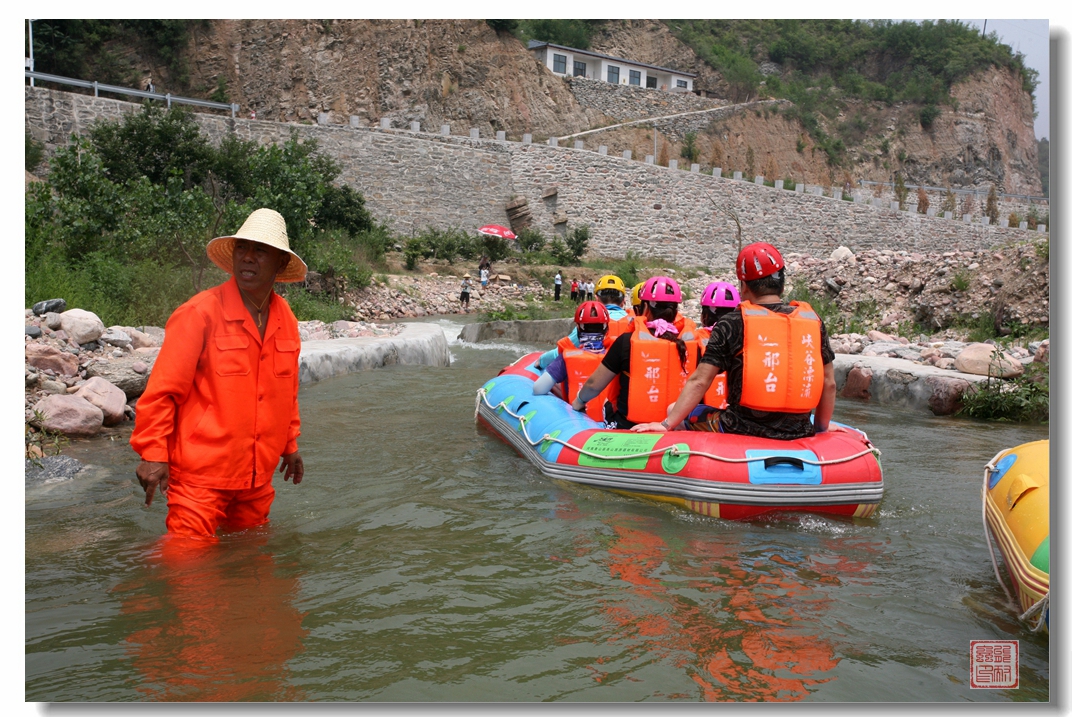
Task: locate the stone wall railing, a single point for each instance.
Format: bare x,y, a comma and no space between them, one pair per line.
416,179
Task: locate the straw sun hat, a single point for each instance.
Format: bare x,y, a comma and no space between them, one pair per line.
266,226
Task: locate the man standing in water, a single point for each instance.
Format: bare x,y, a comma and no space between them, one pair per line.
220,410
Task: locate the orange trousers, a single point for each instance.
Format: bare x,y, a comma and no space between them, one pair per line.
197,511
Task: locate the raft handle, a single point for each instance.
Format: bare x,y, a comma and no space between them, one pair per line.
768,463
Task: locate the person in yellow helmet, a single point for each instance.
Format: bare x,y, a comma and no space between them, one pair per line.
638,307
610,290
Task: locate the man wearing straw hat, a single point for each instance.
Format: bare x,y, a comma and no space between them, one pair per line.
220,410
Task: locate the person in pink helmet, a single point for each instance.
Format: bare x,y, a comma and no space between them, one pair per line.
776,356
719,298
649,379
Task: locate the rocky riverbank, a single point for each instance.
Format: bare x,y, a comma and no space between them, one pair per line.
82,377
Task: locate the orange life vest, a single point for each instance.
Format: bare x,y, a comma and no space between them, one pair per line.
580,365
656,375
718,390
617,327
783,362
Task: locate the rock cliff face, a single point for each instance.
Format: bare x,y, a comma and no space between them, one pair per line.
461,72
433,71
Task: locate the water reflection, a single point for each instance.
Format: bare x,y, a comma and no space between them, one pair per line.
745,624
214,620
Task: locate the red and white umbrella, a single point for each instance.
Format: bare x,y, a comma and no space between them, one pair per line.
494,230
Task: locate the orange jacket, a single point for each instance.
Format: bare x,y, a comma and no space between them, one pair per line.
580,365
783,362
656,375
617,327
718,390
221,407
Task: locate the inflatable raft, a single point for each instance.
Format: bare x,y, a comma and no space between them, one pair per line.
1016,512
715,474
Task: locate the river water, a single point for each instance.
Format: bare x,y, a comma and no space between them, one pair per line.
422,559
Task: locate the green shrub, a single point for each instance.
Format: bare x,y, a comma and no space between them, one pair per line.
502,25
413,252
961,281
927,115
531,240
35,152
307,307
1025,399
560,252
689,150
577,242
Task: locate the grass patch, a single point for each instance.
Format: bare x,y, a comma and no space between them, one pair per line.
307,307
1025,399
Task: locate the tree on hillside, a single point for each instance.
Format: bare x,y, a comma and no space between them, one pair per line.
900,191
750,162
689,150
949,202
992,205
923,203
1044,165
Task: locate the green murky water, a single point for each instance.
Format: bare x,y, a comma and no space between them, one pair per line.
422,559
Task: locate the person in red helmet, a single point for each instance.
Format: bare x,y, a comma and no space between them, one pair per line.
651,377
577,358
777,358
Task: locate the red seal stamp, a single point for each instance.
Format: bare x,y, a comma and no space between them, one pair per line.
995,664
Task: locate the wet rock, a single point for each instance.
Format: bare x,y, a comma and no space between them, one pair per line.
120,372
51,468
46,357
108,398
947,394
987,360
54,305
70,415
34,332
82,326
858,383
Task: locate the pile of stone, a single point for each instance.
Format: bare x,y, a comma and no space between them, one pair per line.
81,375
319,331
432,294
939,290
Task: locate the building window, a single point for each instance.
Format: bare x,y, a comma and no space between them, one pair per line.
560,64
612,74
578,69
634,77
683,83
653,82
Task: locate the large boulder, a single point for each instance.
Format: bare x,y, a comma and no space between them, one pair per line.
857,383
81,326
987,360
71,415
109,398
843,253
120,372
947,394
45,356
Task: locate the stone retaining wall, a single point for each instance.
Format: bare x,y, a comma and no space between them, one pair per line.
629,102
545,332
420,179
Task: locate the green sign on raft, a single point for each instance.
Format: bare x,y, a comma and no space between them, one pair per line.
619,444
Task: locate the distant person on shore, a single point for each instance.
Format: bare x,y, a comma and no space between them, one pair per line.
467,285
558,285
619,320
484,274
220,410
591,291
573,290
777,358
